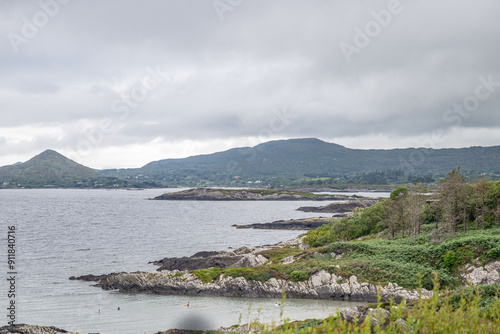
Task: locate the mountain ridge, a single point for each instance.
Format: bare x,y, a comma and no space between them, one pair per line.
294,162
311,157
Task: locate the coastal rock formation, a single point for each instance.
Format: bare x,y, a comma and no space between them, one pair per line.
292,224
173,277
321,285
488,274
241,257
341,207
93,278
208,194
31,329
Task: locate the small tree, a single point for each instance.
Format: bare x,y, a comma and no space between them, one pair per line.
480,193
395,209
414,203
453,193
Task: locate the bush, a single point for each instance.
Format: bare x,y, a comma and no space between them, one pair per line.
299,276
493,254
449,259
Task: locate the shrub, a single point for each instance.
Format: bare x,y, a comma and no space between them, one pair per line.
299,276
449,259
493,254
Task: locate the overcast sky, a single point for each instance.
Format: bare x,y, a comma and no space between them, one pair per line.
119,83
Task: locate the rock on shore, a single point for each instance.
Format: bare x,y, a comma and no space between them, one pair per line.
321,285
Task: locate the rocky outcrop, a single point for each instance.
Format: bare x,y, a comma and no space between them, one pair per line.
475,274
341,207
241,257
92,278
31,329
292,224
321,285
207,194
173,278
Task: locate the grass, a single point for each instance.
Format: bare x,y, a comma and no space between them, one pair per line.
278,254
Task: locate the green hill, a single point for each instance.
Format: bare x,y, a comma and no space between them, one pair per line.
51,169
313,159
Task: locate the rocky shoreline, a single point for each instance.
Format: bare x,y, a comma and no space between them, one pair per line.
321,285
174,277
292,224
208,194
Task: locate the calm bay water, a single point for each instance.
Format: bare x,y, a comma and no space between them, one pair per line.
61,233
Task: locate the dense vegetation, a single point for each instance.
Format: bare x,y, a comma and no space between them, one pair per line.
457,205
412,233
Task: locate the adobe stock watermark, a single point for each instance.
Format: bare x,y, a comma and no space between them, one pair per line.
454,116
373,28
120,109
31,26
223,6
280,120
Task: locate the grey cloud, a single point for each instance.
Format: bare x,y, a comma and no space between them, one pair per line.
225,78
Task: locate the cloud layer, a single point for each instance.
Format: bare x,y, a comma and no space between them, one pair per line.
121,83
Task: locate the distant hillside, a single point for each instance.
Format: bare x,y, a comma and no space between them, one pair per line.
51,169
314,159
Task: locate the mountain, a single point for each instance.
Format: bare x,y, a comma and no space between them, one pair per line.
312,158
293,162
51,169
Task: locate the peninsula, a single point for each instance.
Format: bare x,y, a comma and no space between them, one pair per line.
209,194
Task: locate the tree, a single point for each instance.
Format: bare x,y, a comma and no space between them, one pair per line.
453,193
396,211
414,203
480,193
